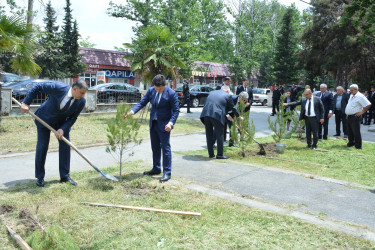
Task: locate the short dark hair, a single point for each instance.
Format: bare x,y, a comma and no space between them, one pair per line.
245,79
289,91
158,80
226,78
81,84
373,87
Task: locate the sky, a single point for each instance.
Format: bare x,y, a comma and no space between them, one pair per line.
103,30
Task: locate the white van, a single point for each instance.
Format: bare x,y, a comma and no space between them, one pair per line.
260,96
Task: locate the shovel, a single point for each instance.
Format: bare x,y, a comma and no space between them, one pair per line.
108,176
262,151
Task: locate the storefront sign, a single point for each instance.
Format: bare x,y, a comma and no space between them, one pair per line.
119,74
205,74
94,66
100,77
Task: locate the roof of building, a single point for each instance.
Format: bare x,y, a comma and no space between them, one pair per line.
104,57
219,68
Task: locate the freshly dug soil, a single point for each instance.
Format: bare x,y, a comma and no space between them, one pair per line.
270,149
4,209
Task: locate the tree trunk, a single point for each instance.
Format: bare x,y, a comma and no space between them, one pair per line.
30,12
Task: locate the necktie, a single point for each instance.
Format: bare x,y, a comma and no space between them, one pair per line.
156,102
309,108
67,105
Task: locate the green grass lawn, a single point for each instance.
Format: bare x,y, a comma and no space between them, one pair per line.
340,162
223,224
18,134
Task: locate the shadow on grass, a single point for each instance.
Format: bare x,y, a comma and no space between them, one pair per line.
196,158
100,184
26,185
132,176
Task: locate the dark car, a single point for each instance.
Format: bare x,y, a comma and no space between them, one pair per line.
9,77
20,89
198,94
117,92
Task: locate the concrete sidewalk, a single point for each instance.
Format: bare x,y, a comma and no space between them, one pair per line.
319,198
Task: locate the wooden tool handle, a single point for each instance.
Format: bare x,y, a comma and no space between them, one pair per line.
18,238
54,131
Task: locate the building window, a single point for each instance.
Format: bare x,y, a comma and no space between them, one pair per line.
90,79
214,83
196,81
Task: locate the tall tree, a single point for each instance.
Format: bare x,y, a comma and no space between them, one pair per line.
72,62
86,43
155,51
286,60
50,57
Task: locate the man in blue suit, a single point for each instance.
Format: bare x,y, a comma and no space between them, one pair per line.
163,116
327,100
60,111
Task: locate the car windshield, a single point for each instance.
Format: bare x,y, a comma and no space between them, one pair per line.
259,91
100,86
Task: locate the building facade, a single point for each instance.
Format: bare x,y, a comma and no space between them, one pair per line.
105,66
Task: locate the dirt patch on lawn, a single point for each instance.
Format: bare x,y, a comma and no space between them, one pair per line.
27,220
270,149
4,209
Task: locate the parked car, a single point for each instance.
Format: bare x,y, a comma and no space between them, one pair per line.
198,94
9,77
260,96
117,92
20,89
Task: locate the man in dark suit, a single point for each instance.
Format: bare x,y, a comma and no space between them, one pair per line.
327,99
372,109
246,88
163,116
214,115
340,100
186,93
276,95
312,111
293,92
60,111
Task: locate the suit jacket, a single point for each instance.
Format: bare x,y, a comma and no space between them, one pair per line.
372,99
167,110
218,87
217,105
50,111
327,100
344,102
240,89
234,111
318,108
276,95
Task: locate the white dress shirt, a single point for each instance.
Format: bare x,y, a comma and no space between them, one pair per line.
66,99
312,111
356,104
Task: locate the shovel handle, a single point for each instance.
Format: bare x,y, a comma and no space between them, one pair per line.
54,131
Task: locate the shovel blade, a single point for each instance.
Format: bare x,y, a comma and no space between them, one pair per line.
108,176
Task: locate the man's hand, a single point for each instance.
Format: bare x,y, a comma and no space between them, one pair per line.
168,127
358,114
247,104
241,118
59,134
126,115
25,108
330,115
285,104
230,118
321,121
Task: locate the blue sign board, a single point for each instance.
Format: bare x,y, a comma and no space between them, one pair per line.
119,74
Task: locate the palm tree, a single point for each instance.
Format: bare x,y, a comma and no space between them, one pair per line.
155,51
13,31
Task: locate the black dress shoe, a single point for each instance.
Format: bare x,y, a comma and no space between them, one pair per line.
350,145
211,156
222,157
336,135
325,138
165,178
151,172
313,148
232,145
40,183
358,147
308,146
68,179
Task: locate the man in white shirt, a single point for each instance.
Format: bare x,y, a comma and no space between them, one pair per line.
358,104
